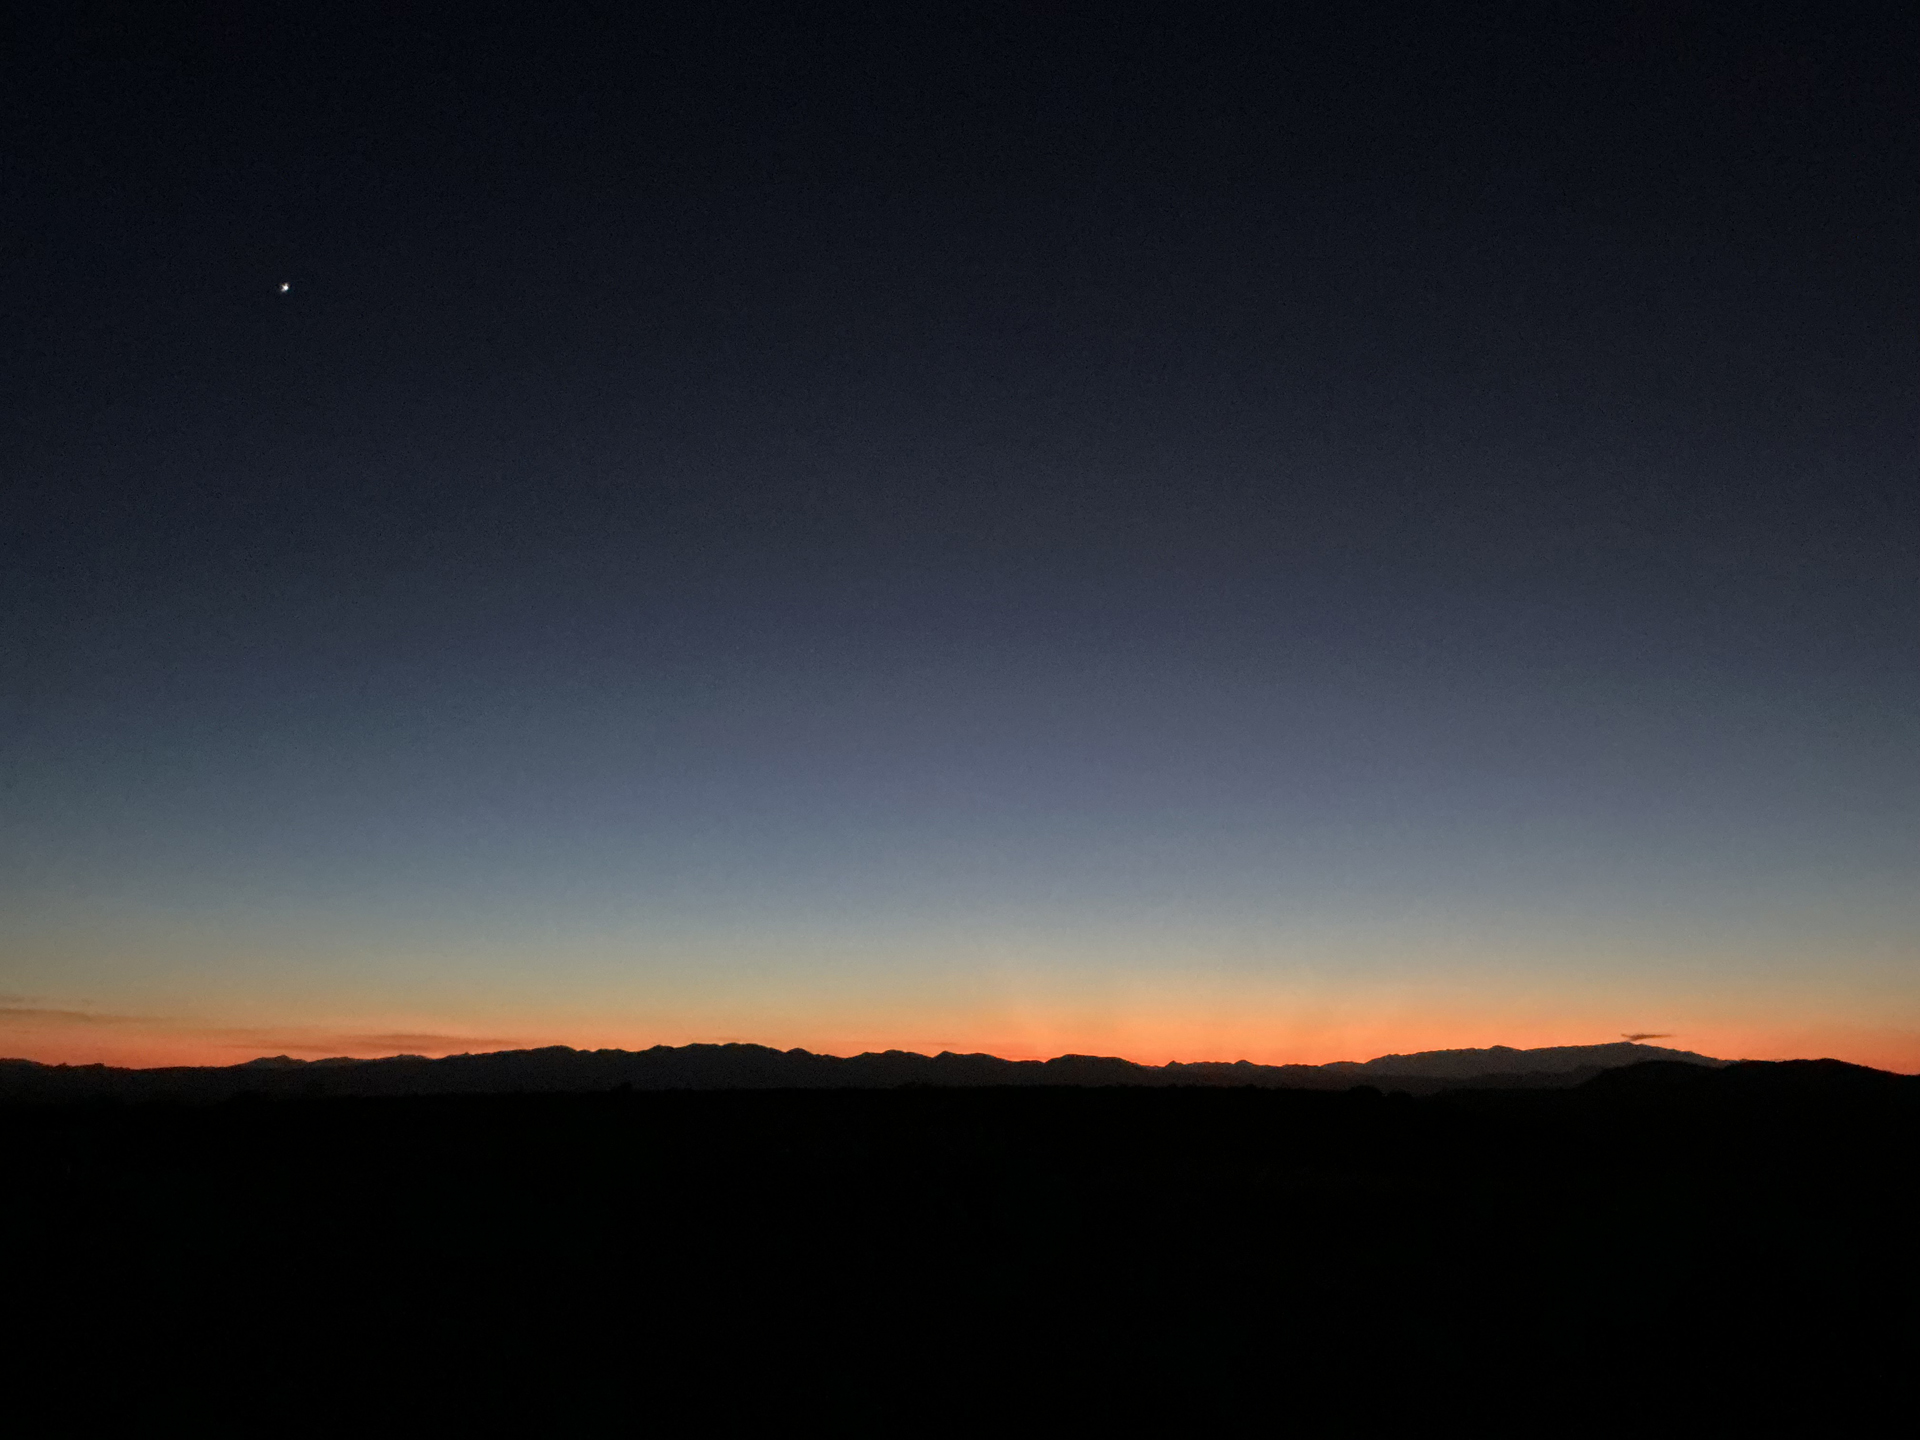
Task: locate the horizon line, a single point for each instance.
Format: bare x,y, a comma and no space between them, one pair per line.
826,1055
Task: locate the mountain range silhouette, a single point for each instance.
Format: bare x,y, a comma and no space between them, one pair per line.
559,1068
636,1213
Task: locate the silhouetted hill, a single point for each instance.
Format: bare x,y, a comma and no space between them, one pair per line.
1504,1060
1665,1213
758,1067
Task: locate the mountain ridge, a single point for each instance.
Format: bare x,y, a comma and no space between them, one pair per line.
738,1066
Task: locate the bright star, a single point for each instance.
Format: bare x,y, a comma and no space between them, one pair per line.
284,287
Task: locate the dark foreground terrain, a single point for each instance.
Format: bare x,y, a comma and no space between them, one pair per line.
912,1251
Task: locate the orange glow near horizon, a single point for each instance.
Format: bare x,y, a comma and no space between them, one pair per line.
75,1038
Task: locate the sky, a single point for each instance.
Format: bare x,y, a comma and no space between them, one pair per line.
1288,534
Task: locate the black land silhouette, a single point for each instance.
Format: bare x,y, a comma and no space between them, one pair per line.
616,1223
759,1067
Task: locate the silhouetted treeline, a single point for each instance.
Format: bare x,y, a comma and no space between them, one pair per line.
1660,1213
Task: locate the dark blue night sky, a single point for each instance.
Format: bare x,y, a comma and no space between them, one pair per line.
1186,537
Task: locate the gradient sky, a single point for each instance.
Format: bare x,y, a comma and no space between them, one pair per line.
1184,537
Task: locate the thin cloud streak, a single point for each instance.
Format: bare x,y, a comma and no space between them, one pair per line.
73,1036
33,1015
